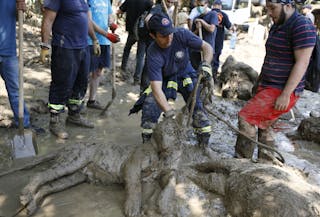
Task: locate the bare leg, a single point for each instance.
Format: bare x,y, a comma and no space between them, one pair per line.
94,84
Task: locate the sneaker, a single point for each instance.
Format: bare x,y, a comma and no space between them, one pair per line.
37,130
94,104
78,120
125,75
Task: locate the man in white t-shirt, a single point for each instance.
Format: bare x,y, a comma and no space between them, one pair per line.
306,11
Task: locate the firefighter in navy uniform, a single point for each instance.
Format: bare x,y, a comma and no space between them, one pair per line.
170,71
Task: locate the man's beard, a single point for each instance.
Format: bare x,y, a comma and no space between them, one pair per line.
282,17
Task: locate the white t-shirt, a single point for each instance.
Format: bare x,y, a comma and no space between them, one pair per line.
310,16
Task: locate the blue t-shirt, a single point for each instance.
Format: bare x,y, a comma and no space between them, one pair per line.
100,10
211,18
70,28
223,22
279,58
8,28
164,63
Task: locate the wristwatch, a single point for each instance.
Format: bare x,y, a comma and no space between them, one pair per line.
45,45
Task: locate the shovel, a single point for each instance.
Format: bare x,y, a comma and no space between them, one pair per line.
24,142
195,90
113,80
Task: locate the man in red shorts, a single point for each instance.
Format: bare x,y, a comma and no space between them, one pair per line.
281,81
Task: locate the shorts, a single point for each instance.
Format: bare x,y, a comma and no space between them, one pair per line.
259,110
102,61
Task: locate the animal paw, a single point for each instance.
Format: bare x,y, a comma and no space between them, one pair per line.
132,207
25,197
31,208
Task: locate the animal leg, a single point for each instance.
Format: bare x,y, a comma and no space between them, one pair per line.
167,204
68,166
214,182
132,177
53,187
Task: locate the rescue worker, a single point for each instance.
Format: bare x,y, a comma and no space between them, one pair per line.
170,71
70,24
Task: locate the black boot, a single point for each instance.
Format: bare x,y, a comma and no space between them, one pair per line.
146,137
57,127
244,147
203,140
78,120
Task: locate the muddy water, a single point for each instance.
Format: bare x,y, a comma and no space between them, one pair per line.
84,200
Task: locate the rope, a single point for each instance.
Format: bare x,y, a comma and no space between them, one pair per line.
281,158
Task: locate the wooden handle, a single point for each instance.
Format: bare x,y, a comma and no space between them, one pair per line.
20,38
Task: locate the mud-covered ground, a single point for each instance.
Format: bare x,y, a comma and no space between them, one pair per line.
119,128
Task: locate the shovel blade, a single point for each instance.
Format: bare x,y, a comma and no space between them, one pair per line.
24,145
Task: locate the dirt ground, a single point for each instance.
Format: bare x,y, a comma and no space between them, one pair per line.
115,128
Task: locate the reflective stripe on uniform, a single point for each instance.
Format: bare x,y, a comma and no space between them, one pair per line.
172,84
186,81
147,131
56,107
206,129
75,101
148,90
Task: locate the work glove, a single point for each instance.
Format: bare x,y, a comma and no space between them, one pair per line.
207,82
170,114
206,70
96,48
113,27
44,55
114,38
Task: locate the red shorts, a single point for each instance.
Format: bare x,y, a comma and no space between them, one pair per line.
260,110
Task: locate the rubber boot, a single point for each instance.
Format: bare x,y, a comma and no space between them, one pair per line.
78,120
146,137
203,140
244,147
265,136
56,126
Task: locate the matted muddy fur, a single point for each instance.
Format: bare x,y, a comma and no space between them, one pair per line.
309,129
237,79
259,190
107,164
171,177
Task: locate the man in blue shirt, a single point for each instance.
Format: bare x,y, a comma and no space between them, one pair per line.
223,22
70,59
170,71
281,81
9,69
101,11
207,20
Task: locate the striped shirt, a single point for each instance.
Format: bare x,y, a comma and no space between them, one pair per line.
280,47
